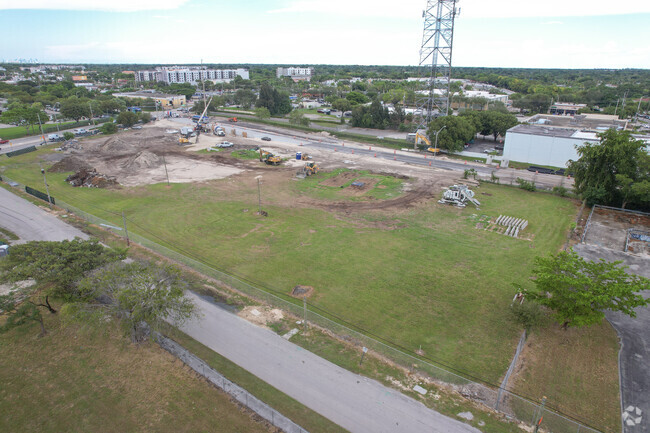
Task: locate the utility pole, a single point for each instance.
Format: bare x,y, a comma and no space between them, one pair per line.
92,117
616,109
47,188
540,416
125,230
41,125
638,107
166,173
304,312
259,196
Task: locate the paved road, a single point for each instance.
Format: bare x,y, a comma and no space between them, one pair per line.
634,358
354,402
281,135
32,223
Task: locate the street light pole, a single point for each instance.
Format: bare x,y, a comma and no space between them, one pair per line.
436,145
47,188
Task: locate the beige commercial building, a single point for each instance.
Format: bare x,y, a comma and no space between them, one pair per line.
166,101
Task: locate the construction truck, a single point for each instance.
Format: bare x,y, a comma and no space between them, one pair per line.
268,158
219,131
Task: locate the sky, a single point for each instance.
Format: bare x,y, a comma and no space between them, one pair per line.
487,33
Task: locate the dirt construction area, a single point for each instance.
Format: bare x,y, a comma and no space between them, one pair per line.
153,154
619,230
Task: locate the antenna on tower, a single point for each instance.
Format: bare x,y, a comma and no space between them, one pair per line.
435,59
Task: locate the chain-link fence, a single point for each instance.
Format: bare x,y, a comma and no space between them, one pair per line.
512,405
238,393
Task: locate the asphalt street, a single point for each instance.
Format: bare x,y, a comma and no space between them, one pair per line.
634,357
31,223
507,176
354,402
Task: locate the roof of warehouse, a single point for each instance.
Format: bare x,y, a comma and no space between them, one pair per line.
552,132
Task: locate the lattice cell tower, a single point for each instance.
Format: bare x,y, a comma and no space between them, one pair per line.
435,59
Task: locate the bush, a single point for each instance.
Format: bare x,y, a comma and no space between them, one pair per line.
561,191
524,184
67,136
529,315
470,172
108,128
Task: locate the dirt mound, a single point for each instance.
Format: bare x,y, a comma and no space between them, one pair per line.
115,145
91,179
144,159
69,163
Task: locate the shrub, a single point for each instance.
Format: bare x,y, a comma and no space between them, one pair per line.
561,191
529,315
524,184
108,128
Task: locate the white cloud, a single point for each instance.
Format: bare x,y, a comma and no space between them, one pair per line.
94,5
469,8
552,23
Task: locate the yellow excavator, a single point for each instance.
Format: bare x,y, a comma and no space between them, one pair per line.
269,158
423,138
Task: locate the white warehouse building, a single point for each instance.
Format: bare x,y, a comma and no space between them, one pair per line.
543,145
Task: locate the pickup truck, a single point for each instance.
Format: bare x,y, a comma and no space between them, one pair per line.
54,137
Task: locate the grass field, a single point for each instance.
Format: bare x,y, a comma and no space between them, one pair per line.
576,370
418,277
83,379
422,277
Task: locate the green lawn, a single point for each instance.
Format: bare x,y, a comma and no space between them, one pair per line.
82,379
422,277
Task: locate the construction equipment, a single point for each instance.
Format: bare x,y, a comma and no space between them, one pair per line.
232,119
459,195
310,168
268,158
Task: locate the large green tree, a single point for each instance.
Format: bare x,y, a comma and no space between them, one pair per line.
580,291
143,295
457,131
55,265
614,172
74,108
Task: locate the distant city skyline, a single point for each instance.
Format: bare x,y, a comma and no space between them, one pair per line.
578,34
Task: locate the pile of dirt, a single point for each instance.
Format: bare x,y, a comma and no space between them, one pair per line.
144,159
69,163
90,179
115,145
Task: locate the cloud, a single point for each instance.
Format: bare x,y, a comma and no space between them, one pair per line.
94,5
469,8
552,23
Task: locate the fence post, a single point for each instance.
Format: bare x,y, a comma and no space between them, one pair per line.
125,230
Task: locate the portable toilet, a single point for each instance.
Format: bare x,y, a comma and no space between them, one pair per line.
299,156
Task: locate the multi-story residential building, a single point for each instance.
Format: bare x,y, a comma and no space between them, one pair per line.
192,75
295,73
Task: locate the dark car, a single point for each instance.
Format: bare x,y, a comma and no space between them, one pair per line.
266,138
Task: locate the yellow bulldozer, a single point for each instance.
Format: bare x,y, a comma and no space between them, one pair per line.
309,169
268,158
